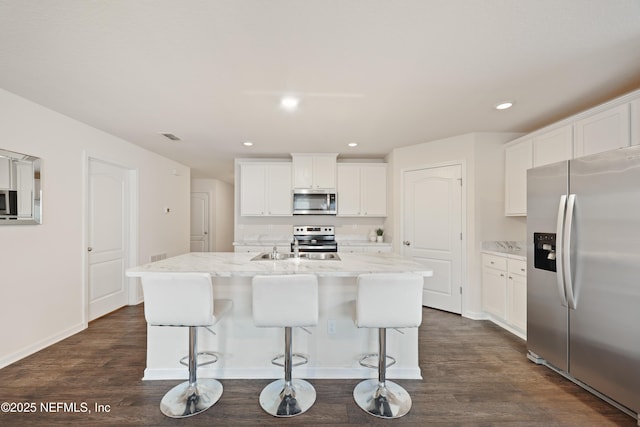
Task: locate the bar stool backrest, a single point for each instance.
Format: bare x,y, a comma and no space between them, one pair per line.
178,299
288,300
389,300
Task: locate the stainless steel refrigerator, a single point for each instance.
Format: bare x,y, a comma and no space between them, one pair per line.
583,281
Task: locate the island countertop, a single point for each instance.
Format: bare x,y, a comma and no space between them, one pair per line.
231,264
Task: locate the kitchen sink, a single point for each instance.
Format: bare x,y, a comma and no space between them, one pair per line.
266,256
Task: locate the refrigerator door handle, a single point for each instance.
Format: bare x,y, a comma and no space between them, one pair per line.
566,249
559,250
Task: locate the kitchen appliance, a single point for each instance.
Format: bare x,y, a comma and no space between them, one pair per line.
8,203
314,202
583,280
314,238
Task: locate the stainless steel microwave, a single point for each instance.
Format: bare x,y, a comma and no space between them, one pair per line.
315,202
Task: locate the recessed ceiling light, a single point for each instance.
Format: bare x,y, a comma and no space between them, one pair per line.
248,144
504,105
289,103
352,144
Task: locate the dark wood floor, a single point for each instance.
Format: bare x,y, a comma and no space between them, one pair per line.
475,374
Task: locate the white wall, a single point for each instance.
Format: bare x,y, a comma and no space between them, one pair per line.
42,285
482,157
220,212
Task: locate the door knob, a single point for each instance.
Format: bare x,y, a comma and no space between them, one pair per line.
206,232
406,243
89,249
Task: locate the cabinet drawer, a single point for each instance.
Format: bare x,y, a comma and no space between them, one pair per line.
493,261
517,267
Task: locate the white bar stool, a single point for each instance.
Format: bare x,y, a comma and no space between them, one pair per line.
286,301
185,299
392,300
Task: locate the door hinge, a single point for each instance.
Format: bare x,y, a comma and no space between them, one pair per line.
460,290
460,236
460,181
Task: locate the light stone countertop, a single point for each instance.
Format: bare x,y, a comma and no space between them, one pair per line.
228,264
509,249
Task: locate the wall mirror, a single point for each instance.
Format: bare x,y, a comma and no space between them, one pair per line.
20,189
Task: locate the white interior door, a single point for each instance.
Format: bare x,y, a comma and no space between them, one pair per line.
199,222
108,234
432,231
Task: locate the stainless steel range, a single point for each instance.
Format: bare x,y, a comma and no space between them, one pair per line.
314,238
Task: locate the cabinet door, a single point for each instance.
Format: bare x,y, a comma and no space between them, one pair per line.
348,190
252,189
518,158
324,171
554,146
5,173
635,122
604,131
494,292
517,304
279,190
302,171
374,190
378,249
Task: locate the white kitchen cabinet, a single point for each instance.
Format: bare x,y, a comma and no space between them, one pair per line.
265,189
518,158
517,293
607,130
362,189
504,292
494,285
382,249
314,171
267,247
635,122
5,173
553,146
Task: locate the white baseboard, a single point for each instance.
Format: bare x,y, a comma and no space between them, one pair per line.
46,342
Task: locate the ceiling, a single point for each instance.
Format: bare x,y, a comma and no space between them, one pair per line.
381,73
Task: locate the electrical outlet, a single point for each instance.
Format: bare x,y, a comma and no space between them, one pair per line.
331,327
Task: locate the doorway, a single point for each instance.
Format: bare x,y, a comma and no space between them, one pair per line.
199,222
431,229
110,239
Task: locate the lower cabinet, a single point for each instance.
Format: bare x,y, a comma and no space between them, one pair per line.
379,248
504,292
262,248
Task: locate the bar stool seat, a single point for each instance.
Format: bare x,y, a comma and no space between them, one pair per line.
286,301
185,300
388,300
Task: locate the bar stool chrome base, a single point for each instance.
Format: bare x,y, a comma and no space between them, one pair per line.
383,400
282,400
187,399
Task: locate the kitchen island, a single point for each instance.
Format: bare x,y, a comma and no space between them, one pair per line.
334,346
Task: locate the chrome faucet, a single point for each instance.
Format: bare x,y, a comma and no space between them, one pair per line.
296,248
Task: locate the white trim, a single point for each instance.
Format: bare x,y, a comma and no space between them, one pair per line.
42,344
152,374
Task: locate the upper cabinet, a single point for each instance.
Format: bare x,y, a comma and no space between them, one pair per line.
5,173
554,146
604,131
362,189
615,124
314,171
518,158
265,189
